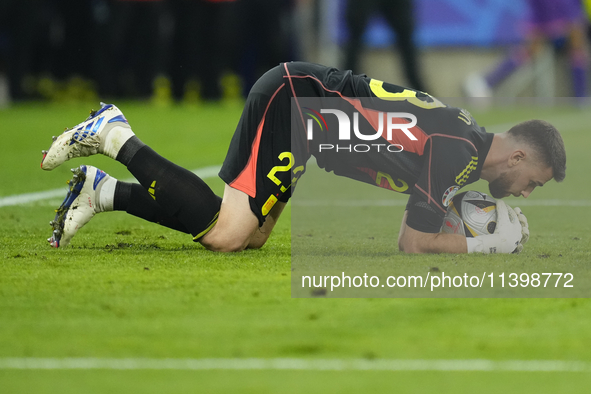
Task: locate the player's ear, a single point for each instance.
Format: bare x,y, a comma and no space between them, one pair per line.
516,157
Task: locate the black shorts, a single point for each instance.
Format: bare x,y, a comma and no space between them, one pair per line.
259,160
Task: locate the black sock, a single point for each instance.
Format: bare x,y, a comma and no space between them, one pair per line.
129,149
180,193
135,200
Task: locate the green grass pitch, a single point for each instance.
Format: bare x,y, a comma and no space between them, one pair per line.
130,289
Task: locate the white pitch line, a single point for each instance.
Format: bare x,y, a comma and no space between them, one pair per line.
399,203
205,172
294,364
212,171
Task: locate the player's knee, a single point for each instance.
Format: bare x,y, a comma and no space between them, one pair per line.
402,246
406,248
402,243
258,242
224,244
407,245
225,247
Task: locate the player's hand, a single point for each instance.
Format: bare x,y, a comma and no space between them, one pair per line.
524,225
507,236
509,228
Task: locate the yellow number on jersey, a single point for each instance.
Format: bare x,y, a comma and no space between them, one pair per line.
282,156
377,87
402,188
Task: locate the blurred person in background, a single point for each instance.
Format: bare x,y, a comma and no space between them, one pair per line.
555,21
216,41
203,42
400,17
138,41
264,37
33,34
4,42
76,24
163,49
50,48
587,8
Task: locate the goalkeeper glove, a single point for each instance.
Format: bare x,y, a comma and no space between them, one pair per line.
524,225
524,229
507,235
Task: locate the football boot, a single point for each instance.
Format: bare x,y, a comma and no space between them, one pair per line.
104,131
79,206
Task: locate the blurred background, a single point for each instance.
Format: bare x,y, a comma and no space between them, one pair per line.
191,51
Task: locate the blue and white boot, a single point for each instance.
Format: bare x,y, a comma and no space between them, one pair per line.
104,131
82,202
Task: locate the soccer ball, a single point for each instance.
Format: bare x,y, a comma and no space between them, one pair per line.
471,214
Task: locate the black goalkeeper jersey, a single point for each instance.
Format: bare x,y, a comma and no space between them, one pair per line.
441,153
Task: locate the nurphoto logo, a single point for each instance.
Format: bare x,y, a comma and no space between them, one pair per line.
387,124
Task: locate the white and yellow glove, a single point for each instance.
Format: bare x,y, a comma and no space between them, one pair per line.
524,225
511,230
524,229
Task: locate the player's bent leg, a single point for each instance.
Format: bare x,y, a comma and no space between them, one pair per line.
137,201
177,191
261,235
235,226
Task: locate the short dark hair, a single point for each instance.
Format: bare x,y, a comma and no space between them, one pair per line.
546,142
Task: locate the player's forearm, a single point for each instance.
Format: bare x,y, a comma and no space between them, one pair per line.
434,243
414,241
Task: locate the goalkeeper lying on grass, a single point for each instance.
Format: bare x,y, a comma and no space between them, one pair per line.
443,149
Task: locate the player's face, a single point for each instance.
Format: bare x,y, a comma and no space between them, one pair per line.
520,181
